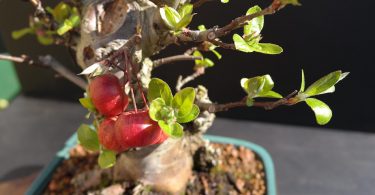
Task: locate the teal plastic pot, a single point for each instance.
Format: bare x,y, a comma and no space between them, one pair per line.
40,183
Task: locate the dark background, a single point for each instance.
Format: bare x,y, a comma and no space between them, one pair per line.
320,37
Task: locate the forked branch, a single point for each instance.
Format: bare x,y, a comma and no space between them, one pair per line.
183,81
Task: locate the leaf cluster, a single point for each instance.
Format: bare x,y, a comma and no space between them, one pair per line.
176,20
66,17
259,86
326,84
250,41
170,111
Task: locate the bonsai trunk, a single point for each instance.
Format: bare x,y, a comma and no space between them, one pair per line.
110,25
166,167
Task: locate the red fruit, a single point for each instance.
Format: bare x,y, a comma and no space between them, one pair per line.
107,95
137,129
106,134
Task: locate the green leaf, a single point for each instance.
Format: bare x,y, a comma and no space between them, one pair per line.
323,83
302,88
197,53
267,84
267,48
205,62
241,44
17,34
217,54
259,86
191,116
88,138
323,113
329,90
184,101
254,26
158,88
60,12
155,108
174,130
185,10
170,16
107,159
253,86
68,25
202,27
87,103
184,22
271,94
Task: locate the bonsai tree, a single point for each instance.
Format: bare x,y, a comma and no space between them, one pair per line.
142,130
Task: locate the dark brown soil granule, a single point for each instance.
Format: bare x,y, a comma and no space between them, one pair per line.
218,169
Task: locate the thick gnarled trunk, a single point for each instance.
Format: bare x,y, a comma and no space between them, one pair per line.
166,167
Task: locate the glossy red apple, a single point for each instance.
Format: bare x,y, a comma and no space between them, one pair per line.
137,129
107,137
107,95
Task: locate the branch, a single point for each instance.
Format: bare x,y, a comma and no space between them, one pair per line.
287,101
176,58
109,53
39,10
48,61
215,32
223,45
191,51
181,82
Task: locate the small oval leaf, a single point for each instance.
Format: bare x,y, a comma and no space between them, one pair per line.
184,101
323,113
241,44
323,83
191,116
157,88
88,138
107,159
174,130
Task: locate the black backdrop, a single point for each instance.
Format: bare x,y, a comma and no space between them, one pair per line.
320,37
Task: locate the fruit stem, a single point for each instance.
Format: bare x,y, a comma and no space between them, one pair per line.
140,89
129,80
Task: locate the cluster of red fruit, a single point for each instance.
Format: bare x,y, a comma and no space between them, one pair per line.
121,130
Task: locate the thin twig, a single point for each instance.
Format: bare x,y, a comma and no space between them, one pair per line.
48,61
181,82
223,45
213,108
183,57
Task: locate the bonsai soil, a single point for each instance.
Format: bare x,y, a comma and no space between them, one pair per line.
218,169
